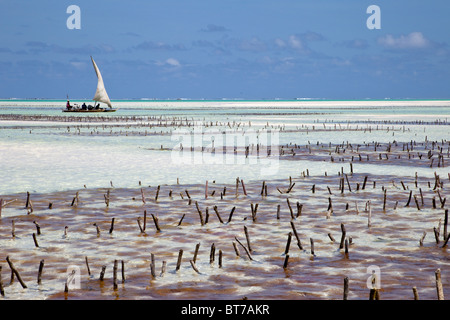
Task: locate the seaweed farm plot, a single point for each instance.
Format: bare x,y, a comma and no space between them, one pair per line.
224,202
336,236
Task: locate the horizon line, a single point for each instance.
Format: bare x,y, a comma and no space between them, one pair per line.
230,99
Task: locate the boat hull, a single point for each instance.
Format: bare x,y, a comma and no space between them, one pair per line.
89,111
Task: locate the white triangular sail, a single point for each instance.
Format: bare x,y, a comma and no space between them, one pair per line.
100,94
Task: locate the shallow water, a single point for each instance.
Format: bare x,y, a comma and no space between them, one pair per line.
53,160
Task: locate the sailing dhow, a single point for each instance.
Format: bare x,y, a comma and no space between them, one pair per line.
100,96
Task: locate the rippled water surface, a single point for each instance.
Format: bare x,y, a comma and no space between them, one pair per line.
378,172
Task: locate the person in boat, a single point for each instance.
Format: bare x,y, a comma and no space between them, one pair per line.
97,106
68,106
84,107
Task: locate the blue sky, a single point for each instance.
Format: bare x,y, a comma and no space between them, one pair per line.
209,49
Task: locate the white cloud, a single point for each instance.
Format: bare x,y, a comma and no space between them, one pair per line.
280,43
173,62
170,62
214,28
254,44
296,42
78,64
414,40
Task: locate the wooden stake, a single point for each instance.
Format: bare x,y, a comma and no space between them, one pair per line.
346,248
155,220
403,185
123,271
423,238
106,196
440,291
409,199
243,187
212,254
157,193
231,214
112,226
38,228
348,183
286,259
115,275
163,268
87,265
288,243
206,215
142,196
236,250
299,244
417,203
27,203
262,188
181,220
217,213
35,241
200,214
290,187
445,223
437,232
446,240
197,246
15,272
139,224
2,291
330,205
311,240
152,265
194,266
248,239
98,229
341,245
102,273
331,237
299,209
145,220
246,251
345,288
41,267
180,255
290,208
374,294
254,209
416,294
